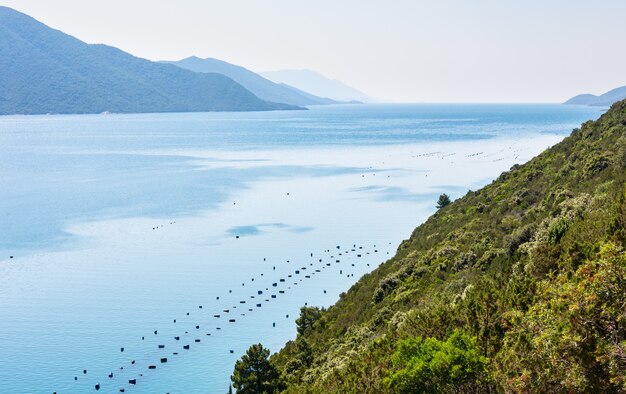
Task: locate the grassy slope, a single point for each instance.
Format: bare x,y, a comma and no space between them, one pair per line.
477,262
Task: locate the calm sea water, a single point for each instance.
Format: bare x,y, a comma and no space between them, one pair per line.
115,227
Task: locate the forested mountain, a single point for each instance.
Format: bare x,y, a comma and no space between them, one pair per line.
517,287
43,70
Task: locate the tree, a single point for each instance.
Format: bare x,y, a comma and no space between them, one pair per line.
255,374
433,366
444,200
308,316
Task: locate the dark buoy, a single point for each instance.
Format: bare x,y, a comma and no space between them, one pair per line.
98,386
151,366
84,371
199,306
274,324
155,332
111,375
132,381
232,351
186,347
75,377
237,236
161,346
121,349
177,338
197,340
132,362
163,359
231,320
197,327
174,320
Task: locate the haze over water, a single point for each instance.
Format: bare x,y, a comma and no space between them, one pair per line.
120,224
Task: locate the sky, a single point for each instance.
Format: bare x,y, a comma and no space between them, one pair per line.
393,50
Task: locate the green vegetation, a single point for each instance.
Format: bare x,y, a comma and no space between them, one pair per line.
254,374
518,287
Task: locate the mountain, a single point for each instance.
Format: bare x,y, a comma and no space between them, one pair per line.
317,84
518,287
43,70
604,100
261,87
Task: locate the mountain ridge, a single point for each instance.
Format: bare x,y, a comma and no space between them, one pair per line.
260,86
317,84
43,70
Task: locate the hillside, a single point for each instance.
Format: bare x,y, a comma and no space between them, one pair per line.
517,287
43,70
317,84
604,100
261,87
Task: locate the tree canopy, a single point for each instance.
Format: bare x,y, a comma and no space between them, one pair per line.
255,374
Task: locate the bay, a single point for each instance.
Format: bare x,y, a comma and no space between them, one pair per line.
113,226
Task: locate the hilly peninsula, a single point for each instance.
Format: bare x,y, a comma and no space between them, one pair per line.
43,70
604,100
517,287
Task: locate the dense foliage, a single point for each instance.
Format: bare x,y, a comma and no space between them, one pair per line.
254,374
43,70
518,287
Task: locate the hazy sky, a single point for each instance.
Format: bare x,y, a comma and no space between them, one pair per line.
399,50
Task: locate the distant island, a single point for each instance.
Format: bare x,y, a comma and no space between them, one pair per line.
260,86
43,70
604,100
316,83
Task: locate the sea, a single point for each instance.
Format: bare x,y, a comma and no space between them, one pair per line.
147,252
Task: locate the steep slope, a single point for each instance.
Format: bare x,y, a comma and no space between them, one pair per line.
517,287
43,70
604,100
317,84
261,87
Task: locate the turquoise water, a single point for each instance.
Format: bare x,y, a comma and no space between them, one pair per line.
119,224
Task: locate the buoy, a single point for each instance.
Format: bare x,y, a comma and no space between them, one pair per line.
231,320
163,359
199,306
151,366
132,362
132,381
155,332
274,324
197,340
174,320
121,349
186,347
111,375
84,371
197,327
231,352
98,386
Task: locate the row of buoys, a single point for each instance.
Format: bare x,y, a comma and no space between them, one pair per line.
259,292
